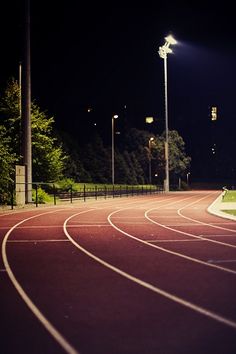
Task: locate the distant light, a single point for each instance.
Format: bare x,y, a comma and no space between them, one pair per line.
89,110
149,120
95,124
214,113
115,116
213,149
170,39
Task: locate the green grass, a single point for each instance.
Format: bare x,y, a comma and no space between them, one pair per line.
230,196
116,186
231,212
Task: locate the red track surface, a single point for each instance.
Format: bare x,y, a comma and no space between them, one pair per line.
143,275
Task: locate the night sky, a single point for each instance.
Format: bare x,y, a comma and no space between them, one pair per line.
104,55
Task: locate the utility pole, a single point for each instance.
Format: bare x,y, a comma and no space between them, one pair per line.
26,107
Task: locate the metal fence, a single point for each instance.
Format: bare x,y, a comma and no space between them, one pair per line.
49,193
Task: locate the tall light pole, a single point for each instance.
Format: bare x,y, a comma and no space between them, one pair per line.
163,52
150,158
113,148
26,108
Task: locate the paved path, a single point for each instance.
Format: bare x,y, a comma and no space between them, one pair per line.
218,207
139,275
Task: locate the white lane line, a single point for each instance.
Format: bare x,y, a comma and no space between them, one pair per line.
129,217
174,298
157,241
164,249
169,251
89,225
181,225
214,235
39,315
222,261
35,241
57,226
132,223
201,222
220,223
39,227
187,233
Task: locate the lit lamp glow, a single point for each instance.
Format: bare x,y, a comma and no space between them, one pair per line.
149,120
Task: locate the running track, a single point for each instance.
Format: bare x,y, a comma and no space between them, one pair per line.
143,275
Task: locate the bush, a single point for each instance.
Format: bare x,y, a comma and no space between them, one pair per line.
6,192
184,186
66,183
42,196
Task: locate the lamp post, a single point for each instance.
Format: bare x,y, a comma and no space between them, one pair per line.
188,178
150,159
163,51
113,149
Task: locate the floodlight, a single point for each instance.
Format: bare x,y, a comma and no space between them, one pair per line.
170,40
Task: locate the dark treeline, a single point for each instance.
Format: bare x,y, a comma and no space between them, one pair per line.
139,156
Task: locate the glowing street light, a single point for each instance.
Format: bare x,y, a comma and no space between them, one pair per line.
163,52
113,149
187,176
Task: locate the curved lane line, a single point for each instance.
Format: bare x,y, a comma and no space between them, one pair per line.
187,233
201,222
164,249
149,286
49,327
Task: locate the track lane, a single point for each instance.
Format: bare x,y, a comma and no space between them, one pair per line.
145,284
153,235
153,311
207,278
31,305
39,238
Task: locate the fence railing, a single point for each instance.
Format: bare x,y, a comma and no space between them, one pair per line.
49,193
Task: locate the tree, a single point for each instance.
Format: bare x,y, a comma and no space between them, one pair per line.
48,156
179,162
7,162
137,142
122,170
97,160
132,177
10,115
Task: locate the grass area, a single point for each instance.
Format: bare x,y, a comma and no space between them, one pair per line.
92,186
231,212
67,183
230,196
